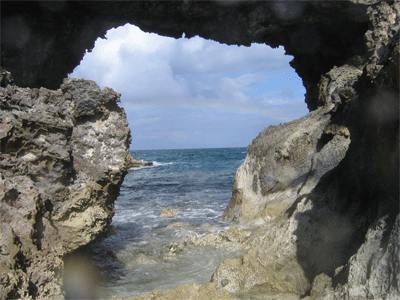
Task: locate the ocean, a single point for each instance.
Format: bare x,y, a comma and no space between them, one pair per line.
197,185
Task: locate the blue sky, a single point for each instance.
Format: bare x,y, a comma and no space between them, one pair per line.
194,93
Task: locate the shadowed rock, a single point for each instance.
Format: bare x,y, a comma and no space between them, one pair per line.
325,188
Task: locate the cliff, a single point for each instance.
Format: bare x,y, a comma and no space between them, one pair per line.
62,159
323,190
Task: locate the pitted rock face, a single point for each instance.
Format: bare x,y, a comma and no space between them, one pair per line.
325,187
63,159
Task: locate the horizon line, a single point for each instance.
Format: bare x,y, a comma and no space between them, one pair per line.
194,148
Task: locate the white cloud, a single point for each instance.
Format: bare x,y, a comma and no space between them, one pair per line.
151,68
154,71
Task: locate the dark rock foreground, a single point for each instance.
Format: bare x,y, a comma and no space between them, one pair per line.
323,191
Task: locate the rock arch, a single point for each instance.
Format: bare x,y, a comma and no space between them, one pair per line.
53,36
344,155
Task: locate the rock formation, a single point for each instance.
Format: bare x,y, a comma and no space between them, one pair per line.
319,34
134,163
168,212
326,186
62,159
186,291
324,189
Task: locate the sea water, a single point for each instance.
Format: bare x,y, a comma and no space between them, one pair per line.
198,184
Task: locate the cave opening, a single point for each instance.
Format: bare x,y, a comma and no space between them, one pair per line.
194,93
325,37
191,104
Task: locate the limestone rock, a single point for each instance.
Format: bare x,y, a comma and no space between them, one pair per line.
231,239
186,291
373,272
168,212
235,234
324,188
208,239
321,285
133,163
175,247
283,163
62,159
270,263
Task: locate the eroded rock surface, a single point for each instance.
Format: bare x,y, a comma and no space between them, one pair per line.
63,156
186,291
283,163
324,188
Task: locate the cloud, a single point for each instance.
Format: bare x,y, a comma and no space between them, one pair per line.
151,69
153,72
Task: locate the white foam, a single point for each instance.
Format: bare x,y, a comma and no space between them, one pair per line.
155,164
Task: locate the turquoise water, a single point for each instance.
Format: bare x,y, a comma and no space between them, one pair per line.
195,182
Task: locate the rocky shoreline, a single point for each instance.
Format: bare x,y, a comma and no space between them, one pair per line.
322,191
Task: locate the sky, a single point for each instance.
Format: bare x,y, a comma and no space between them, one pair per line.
194,93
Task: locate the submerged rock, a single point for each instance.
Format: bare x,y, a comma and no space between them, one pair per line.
186,291
63,159
168,212
173,248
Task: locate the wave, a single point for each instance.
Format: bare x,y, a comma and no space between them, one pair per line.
155,164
